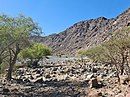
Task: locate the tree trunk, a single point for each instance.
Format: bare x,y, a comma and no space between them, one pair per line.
9,73
0,61
122,64
122,69
11,65
82,60
117,71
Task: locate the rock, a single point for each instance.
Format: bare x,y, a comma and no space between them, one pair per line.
89,76
62,77
55,69
1,89
19,80
35,76
128,95
38,80
1,95
124,79
38,71
15,90
94,70
48,76
120,95
94,94
26,80
20,71
6,90
84,34
95,83
84,70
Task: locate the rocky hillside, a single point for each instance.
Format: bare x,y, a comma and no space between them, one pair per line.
85,34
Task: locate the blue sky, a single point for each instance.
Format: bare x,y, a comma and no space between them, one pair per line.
56,15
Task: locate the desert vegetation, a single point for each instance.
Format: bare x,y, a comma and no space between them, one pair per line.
115,51
29,68
14,38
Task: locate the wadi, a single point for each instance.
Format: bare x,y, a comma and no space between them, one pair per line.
89,59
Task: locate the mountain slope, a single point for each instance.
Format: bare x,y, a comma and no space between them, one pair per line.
84,34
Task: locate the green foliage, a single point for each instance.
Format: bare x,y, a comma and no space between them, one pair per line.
15,33
14,37
2,68
36,52
97,54
112,50
115,51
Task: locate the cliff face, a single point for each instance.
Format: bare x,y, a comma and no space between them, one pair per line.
84,34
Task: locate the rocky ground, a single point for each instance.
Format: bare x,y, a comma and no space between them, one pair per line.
66,79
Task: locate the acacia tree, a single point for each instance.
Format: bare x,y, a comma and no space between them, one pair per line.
121,43
16,32
115,51
35,53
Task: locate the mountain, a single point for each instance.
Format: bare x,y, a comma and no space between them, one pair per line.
84,34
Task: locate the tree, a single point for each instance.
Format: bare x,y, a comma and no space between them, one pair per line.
115,51
35,53
16,32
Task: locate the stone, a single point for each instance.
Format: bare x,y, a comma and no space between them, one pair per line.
48,76
128,95
62,77
55,69
6,90
94,70
38,71
124,79
120,95
38,80
94,94
1,95
95,83
89,76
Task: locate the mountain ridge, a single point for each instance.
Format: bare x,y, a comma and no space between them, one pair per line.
84,34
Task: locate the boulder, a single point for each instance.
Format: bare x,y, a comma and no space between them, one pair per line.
48,76
6,90
55,69
62,77
89,76
38,80
124,79
94,70
95,83
1,89
94,94
128,95
38,71
120,95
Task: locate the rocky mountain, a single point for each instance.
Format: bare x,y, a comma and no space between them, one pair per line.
84,34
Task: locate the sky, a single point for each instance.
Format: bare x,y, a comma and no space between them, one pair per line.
54,16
